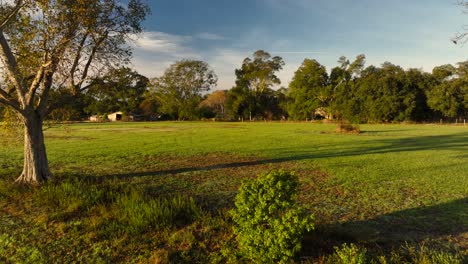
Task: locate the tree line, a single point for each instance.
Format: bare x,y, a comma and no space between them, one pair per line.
350,91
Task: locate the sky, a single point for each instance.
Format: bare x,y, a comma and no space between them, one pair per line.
409,33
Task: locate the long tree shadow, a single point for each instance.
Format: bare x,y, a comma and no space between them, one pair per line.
442,222
457,142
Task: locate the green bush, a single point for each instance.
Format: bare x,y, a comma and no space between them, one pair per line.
269,222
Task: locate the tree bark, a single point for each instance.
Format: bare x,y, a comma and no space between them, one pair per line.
36,166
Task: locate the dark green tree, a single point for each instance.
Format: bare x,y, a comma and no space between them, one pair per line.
121,89
179,90
254,81
448,93
344,104
239,102
382,94
308,90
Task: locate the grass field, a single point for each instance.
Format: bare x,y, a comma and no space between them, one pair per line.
392,187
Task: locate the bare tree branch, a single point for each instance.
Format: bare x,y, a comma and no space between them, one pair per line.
91,58
36,83
10,102
76,61
12,14
11,66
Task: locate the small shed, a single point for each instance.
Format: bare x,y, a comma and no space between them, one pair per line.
96,118
117,116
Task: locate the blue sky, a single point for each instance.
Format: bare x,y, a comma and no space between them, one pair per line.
410,33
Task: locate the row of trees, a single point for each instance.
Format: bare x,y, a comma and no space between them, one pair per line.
349,92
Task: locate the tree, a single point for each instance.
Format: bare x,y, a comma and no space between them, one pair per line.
448,94
307,90
256,77
121,89
216,101
49,50
149,107
448,98
239,101
343,102
179,89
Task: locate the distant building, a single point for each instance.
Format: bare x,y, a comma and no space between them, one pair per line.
117,116
120,116
96,118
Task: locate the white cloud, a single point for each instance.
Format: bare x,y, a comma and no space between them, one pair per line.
209,36
153,51
154,41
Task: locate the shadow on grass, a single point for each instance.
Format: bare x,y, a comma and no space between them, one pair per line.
457,142
447,221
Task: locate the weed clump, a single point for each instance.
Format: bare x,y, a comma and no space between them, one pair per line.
348,255
346,127
352,254
70,195
269,222
137,213
423,255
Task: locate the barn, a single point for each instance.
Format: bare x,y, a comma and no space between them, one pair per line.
117,116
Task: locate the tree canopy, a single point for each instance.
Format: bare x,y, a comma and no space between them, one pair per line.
254,81
121,89
50,50
180,88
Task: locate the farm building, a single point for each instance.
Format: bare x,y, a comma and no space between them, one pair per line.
120,116
117,116
96,118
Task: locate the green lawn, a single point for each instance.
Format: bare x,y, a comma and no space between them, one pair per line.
388,186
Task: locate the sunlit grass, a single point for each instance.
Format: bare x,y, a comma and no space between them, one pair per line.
380,188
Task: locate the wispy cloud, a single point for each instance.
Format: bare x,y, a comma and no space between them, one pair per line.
155,51
154,41
209,36
299,52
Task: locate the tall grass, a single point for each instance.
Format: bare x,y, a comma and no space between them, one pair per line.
419,254
137,212
70,195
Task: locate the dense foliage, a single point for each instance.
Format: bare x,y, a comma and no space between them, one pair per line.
269,221
350,92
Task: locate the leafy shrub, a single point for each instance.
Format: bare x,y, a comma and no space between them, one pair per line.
139,213
348,255
269,222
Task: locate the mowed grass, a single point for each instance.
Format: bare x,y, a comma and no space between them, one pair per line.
388,187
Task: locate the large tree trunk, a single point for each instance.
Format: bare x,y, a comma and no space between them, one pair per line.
36,165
